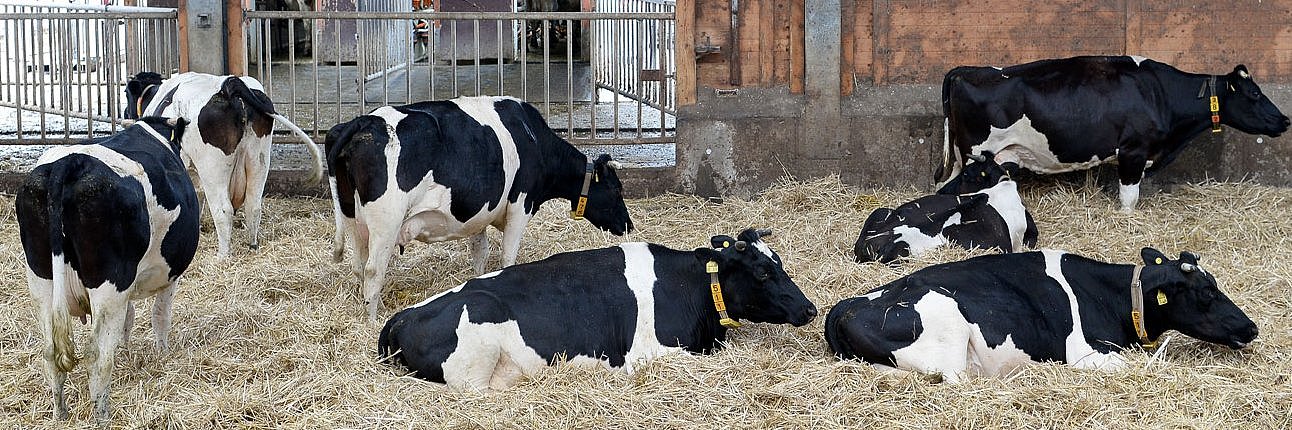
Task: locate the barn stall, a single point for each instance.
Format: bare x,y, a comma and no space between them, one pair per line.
276,338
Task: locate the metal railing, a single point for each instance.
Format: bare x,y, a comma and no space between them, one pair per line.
550,59
65,66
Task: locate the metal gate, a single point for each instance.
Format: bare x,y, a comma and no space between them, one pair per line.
64,66
589,90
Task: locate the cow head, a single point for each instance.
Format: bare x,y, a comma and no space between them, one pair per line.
1243,106
755,287
1180,295
605,208
170,128
982,173
140,90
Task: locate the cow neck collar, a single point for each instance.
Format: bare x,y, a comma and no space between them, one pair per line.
581,204
1213,101
1137,308
139,103
715,289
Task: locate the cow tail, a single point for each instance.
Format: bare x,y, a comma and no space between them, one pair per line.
316,171
60,345
388,349
832,329
335,143
950,152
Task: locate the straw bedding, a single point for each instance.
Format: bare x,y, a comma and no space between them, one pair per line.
277,338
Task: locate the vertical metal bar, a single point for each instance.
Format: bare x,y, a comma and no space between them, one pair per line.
361,40
639,58
524,60
40,73
291,68
65,87
21,89
434,39
453,60
316,35
408,65
336,29
547,70
595,57
385,68
665,70
110,75
618,74
475,33
498,61
267,55
569,78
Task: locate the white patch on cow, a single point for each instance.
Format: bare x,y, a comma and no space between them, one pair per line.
1004,199
1079,353
766,250
1022,144
943,346
482,110
489,355
1243,74
489,275
997,67
1137,59
874,294
639,272
918,242
983,359
1129,195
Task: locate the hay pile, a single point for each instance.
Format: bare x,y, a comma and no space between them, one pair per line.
277,338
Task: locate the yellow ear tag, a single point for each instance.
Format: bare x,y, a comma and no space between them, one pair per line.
1161,298
982,173
711,267
726,243
1158,260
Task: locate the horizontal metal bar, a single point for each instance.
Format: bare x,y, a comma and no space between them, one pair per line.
46,141
88,15
622,140
48,5
276,14
59,111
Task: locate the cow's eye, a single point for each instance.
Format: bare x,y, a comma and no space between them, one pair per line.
763,276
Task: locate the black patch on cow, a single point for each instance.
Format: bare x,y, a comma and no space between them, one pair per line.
428,147
356,155
530,141
165,102
678,275
595,312
852,331
980,226
221,122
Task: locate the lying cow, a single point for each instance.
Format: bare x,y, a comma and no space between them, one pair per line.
1055,116
232,122
103,224
990,314
990,214
445,170
612,307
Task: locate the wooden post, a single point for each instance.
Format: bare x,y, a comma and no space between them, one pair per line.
684,16
235,37
1133,25
797,45
881,53
181,22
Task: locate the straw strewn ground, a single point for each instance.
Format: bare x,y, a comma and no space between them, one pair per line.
277,338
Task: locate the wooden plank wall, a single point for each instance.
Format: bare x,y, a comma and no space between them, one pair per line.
917,41
765,50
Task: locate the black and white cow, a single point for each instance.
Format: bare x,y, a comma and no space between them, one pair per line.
228,144
613,307
1062,115
102,224
446,170
990,314
990,214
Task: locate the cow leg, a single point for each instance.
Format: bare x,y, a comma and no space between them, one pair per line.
217,200
258,175
41,290
162,305
109,314
359,240
130,323
1130,172
381,246
513,233
479,252
341,222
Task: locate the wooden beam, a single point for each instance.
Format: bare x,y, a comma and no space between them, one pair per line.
797,61
881,53
235,38
182,22
766,46
1133,26
684,16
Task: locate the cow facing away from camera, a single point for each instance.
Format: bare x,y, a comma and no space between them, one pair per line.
446,170
228,144
613,307
990,314
989,214
103,224
1062,115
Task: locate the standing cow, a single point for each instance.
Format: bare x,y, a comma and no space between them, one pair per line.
613,307
991,314
232,122
103,224
982,210
1055,116
445,170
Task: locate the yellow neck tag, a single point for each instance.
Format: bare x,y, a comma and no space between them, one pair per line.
1215,104
1138,320
715,289
577,213
711,267
1161,298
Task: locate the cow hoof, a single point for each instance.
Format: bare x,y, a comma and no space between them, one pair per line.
254,246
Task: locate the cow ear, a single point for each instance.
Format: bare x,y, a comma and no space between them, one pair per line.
721,241
1241,71
705,255
1189,257
1152,256
134,87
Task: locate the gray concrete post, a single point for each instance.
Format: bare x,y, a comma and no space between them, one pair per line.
206,36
